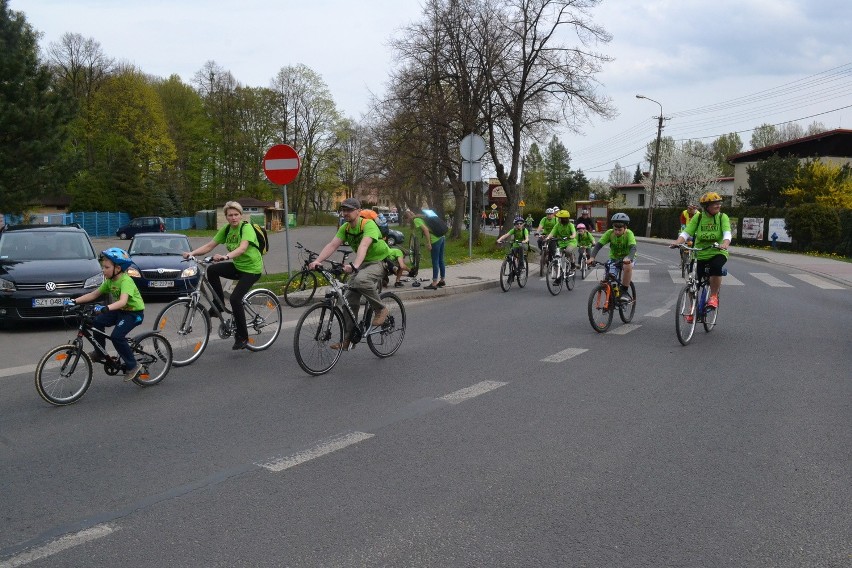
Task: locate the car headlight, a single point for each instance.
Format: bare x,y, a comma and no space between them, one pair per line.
133,272
7,285
189,272
94,281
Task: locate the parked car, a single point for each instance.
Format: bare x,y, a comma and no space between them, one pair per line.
41,266
393,217
394,237
141,225
158,266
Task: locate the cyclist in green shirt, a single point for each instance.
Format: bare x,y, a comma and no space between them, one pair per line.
622,250
562,230
585,240
519,233
545,226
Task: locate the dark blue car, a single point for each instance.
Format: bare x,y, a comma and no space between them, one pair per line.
158,267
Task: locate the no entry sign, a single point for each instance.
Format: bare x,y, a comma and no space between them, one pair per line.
281,164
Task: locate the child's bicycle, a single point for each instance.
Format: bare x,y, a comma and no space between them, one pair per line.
319,337
606,298
583,262
515,267
64,373
559,272
692,302
186,322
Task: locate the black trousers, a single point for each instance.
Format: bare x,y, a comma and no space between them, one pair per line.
244,284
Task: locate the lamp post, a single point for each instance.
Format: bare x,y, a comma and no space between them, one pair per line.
656,162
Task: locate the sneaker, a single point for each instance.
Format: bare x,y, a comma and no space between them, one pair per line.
441,283
131,374
429,287
382,316
96,356
239,344
397,284
345,345
713,302
625,298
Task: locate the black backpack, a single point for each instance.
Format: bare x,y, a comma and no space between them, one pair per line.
436,225
260,233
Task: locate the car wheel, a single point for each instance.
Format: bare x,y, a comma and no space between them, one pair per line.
391,241
123,236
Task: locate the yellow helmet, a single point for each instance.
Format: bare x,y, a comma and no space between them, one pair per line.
710,197
562,214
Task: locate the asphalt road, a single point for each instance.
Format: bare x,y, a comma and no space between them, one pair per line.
505,432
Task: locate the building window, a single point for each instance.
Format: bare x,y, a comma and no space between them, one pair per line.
641,200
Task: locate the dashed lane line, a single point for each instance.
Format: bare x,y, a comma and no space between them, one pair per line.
58,545
472,391
564,355
320,449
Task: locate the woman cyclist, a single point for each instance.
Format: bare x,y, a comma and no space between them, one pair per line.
622,248
709,227
564,228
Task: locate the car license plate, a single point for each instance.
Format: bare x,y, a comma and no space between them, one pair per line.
161,284
48,302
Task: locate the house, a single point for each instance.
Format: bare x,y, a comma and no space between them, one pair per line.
832,147
635,194
252,207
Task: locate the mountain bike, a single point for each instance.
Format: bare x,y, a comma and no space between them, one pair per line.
559,272
319,336
64,373
692,302
515,267
301,287
607,297
186,321
543,254
583,262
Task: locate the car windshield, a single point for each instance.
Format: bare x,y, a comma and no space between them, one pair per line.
45,245
158,246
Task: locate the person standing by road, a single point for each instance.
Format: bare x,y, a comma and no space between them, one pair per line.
245,267
367,270
436,250
622,250
709,227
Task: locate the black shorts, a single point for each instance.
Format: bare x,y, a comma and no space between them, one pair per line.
715,264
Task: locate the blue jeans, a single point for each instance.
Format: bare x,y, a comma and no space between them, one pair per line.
438,259
123,322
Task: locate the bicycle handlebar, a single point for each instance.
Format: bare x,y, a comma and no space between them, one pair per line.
684,246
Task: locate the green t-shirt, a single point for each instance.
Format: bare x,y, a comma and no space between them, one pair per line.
378,250
560,231
619,246
707,230
585,239
519,234
547,225
418,224
394,253
250,261
124,285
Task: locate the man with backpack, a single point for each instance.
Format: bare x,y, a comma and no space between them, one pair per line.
367,270
433,229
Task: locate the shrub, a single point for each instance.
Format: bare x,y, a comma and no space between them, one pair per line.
814,225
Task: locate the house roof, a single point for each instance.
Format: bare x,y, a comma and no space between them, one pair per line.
836,142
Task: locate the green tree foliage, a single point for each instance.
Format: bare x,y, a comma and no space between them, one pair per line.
637,175
819,182
535,179
31,114
723,147
763,136
814,224
767,179
557,169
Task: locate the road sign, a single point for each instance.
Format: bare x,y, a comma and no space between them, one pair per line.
521,203
471,171
472,147
281,164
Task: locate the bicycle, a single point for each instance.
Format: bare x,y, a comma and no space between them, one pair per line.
684,260
559,272
606,298
186,322
543,254
414,258
692,302
301,287
515,267
64,373
319,336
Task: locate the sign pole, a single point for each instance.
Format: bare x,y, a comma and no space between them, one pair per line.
286,227
281,164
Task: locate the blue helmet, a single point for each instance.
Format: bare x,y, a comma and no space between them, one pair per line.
118,257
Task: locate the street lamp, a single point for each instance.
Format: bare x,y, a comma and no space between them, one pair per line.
656,162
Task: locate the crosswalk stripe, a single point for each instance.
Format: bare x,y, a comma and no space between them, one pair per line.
770,280
564,355
625,329
818,282
641,275
676,277
731,280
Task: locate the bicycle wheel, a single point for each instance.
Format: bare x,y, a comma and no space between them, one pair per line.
626,311
584,267
300,288
523,272
507,273
685,316
414,255
709,319
263,318
186,328
153,351
320,327
542,260
554,282
570,279
63,374
388,340
600,308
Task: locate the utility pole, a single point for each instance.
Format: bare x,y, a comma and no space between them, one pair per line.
652,197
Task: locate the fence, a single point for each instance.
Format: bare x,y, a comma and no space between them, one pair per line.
97,224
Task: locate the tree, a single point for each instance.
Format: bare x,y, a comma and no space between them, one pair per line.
767,179
723,147
557,169
818,182
79,65
790,131
763,136
535,179
685,174
637,175
814,224
31,114
619,175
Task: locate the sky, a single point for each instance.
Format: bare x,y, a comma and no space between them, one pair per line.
715,66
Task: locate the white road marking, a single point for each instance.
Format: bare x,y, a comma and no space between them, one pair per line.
676,277
471,391
625,329
657,313
770,280
564,355
58,545
641,275
731,281
322,448
11,371
818,282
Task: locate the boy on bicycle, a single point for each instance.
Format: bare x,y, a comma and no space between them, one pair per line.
622,249
519,233
125,310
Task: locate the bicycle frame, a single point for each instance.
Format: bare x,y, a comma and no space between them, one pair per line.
336,298
86,330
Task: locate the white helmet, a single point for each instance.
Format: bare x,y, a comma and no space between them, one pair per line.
549,211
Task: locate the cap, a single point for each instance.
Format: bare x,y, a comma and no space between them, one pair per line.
350,203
